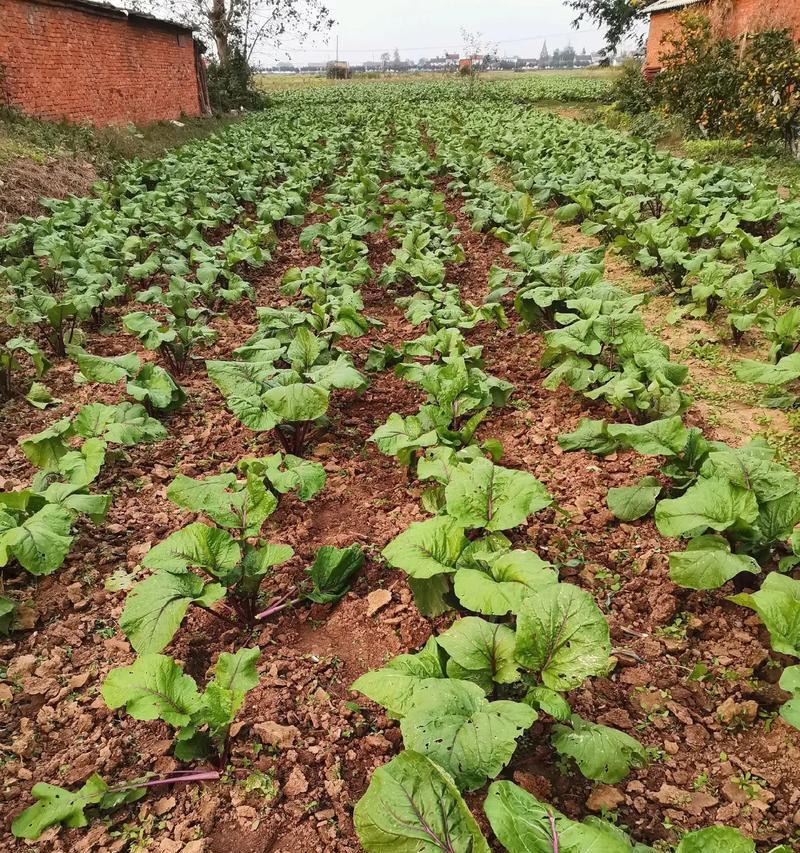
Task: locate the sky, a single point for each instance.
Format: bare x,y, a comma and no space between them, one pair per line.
427,28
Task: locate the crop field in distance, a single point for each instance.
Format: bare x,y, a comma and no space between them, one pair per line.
408,467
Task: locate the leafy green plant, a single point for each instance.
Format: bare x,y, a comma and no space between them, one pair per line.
156,688
9,362
175,339
290,401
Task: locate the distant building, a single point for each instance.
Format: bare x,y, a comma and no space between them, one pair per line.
544,57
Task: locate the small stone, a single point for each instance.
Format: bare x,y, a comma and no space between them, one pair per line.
377,600
670,747
22,665
164,805
730,712
605,798
274,734
377,743
6,693
296,783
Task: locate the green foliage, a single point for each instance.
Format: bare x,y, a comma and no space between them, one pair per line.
562,636
412,804
230,85
453,724
156,688
524,825
56,805
733,87
602,753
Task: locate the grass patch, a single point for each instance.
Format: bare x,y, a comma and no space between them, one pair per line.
24,137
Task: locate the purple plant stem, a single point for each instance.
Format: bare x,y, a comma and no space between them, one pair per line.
178,776
554,831
276,608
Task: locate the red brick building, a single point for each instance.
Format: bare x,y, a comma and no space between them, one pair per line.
731,17
96,64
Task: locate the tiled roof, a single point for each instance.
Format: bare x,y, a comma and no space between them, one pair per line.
664,5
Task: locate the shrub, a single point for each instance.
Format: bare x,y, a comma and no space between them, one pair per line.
230,85
747,87
701,77
632,93
768,106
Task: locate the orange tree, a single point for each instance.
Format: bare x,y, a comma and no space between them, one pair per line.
747,88
701,76
768,106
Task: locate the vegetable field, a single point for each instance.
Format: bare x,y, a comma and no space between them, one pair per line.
363,490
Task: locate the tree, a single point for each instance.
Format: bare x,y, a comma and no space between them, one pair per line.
396,58
617,17
244,24
386,58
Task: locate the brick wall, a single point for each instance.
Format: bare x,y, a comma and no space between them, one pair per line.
743,16
62,60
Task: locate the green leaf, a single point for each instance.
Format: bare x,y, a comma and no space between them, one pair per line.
395,685
431,595
522,824
107,371
454,725
289,473
77,500
483,652
716,839
56,805
666,437
563,636
126,424
258,561
156,606
603,754
237,672
154,386
707,563
751,467
297,402
399,433
785,370
427,548
412,806
590,435
502,582
790,682
778,605
154,688
709,503
40,397
547,700
48,446
338,374
240,505
630,503
482,494
332,571
81,467
41,543
7,609
568,212
198,545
